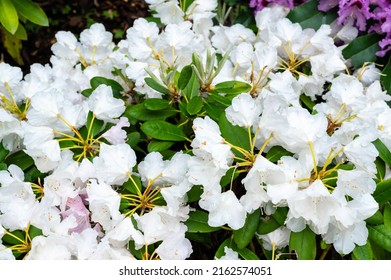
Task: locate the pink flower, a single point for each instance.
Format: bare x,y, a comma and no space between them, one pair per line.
75,207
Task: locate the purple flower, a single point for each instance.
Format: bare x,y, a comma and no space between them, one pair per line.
356,9
385,46
326,5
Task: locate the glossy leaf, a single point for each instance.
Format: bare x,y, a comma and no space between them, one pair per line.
9,16
276,152
15,238
381,235
244,235
159,146
308,15
194,194
132,139
363,252
234,134
20,159
185,77
382,193
198,222
156,86
386,77
31,11
220,251
162,130
384,153
387,216
304,244
192,88
3,152
375,219
247,254
139,112
195,105
115,86
156,104
232,87
362,49
267,224
34,231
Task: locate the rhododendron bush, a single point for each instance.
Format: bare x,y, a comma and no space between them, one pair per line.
190,139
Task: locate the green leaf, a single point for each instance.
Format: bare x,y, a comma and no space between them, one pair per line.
280,215
156,104
247,254
32,174
375,219
234,134
381,168
363,252
385,78
87,92
198,222
159,146
304,243
387,216
133,186
382,193
217,98
276,152
93,125
139,112
115,86
384,153
307,102
362,49
267,225
232,87
159,87
20,159
308,15
192,88
12,44
244,235
185,77
21,33
3,166
220,251
34,231
162,130
9,16
381,235
3,152
19,235
132,139
214,110
31,11
194,194
195,105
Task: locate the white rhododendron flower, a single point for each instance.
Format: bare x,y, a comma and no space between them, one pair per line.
129,150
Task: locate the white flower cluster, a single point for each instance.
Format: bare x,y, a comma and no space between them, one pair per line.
77,204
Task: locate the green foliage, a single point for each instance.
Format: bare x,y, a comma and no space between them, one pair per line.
308,16
13,14
244,235
304,244
198,222
362,49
